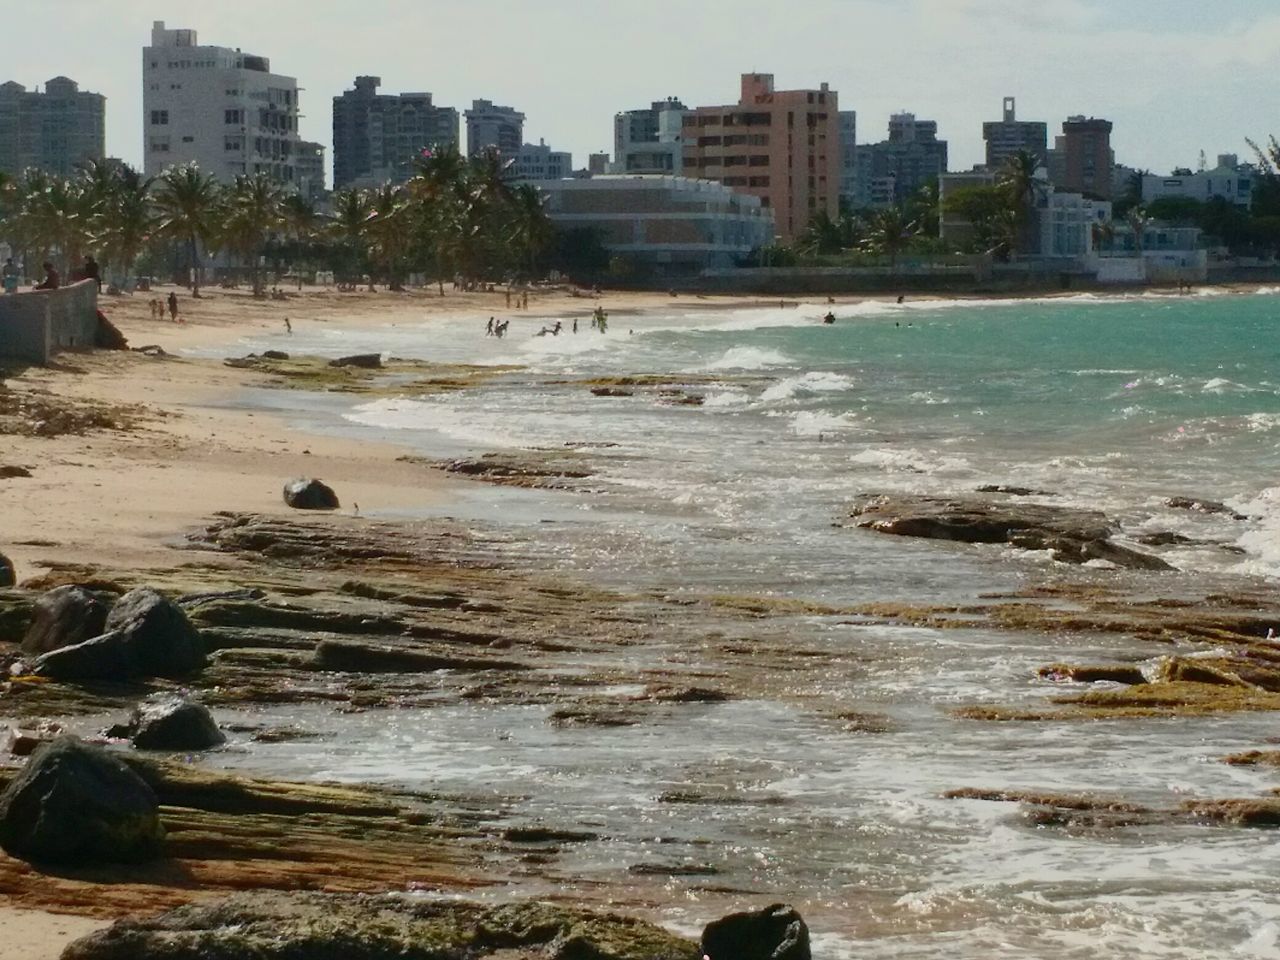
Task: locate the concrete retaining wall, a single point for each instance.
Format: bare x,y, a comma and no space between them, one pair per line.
36,324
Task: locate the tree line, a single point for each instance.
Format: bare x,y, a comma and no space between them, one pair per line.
454,217
1000,219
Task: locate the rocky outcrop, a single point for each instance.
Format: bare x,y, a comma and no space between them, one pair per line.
146,635
1074,536
64,617
77,803
107,336
343,656
365,361
545,472
277,926
170,723
306,493
775,933
8,576
1198,505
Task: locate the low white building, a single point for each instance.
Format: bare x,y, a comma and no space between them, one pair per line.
1070,223
537,161
218,107
665,225
1229,180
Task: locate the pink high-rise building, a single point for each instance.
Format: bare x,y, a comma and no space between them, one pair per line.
780,145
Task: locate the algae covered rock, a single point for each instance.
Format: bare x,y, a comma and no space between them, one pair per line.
64,617
76,803
280,926
305,493
171,723
775,933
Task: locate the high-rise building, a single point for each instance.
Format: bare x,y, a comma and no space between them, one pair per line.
780,145
537,161
489,125
377,137
51,131
1086,157
1005,138
597,164
891,171
849,159
218,107
650,140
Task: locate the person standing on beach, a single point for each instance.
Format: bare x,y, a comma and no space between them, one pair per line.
10,276
288,327
173,306
488,331
524,300
575,324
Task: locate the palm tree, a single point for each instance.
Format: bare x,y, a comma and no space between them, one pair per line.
889,232
254,210
350,224
531,229
302,222
127,218
57,215
187,206
1021,181
439,197
1138,222
390,231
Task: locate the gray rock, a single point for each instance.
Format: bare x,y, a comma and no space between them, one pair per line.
171,723
1074,536
147,635
367,361
63,617
306,493
76,803
1198,505
775,933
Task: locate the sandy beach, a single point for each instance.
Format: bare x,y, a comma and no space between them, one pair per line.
420,703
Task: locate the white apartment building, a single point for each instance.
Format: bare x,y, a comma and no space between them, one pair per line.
1227,180
650,140
1067,222
539,162
219,107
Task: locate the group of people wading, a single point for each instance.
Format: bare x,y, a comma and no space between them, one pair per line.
599,321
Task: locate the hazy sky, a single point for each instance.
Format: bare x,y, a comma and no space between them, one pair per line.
1175,76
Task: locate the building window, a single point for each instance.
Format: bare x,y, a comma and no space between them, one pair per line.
159,118
188,139
235,116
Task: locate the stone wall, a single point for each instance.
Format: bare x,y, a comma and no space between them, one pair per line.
36,324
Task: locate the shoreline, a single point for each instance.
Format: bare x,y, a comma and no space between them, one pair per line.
117,504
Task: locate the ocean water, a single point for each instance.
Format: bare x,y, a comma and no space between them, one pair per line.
1107,403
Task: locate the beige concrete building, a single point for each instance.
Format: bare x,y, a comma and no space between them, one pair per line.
782,146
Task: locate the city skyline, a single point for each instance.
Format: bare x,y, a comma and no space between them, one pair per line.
569,77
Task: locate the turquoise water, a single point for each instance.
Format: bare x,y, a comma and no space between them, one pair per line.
1114,404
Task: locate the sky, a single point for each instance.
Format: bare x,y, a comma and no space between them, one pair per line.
1174,76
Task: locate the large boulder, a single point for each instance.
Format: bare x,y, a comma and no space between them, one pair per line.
76,803
305,493
268,925
63,617
147,635
171,723
365,361
775,933
8,577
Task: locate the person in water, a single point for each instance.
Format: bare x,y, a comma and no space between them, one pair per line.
488,330
829,318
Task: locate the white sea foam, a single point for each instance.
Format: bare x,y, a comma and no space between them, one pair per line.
748,358
817,381
1221,385
814,423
